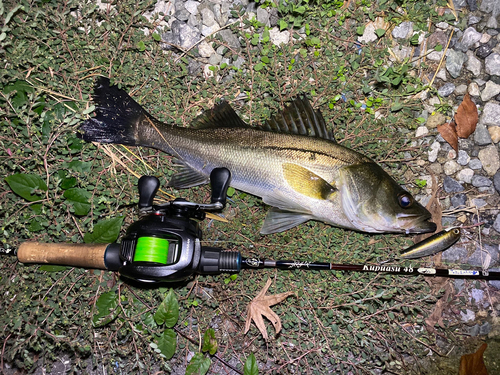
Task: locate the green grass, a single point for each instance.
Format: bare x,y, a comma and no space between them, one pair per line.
338,321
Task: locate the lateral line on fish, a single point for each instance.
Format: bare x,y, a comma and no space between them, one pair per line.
329,156
161,135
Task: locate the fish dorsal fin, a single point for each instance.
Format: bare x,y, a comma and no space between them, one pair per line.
299,118
220,116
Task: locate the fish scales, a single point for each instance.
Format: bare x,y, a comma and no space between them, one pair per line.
292,163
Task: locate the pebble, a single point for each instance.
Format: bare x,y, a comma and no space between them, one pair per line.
451,167
483,51
473,64
447,89
434,120
468,316
496,225
403,30
454,62
421,131
470,37
473,89
496,181
491,89
490,159
434,150
491,114
494,133
481,135
465,175
451,186
463,157
459,200
278,37
492,64
480,181
475,164
461,90
478,202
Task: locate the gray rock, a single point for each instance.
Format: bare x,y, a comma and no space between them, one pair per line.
465,175
470,37
278,37
482,135
492,64
483,51
205,49
475,164
468,316
459,200
451,186
492,22
215,59
461,90
491,89
438,37
454,62
480,181
208,17
491,114
459,3
472,5
496,224
490,6
451,167
182,15
477,295
485,329
496,181
478,202
473,64
192,7
463,157
473,89
446,90
473,19
433,151
262,15
403,30
231,39
490,159
181,35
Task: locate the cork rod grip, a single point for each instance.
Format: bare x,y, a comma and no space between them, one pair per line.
66,254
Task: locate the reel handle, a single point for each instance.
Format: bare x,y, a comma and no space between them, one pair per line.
64,254
148,187
219,179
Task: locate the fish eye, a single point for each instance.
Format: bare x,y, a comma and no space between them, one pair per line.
456,231
405,200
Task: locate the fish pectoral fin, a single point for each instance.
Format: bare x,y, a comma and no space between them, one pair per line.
278,220
308,183
186,177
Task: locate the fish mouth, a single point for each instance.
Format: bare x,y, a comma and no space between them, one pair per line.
415,224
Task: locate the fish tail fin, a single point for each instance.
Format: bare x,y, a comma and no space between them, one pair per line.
117,116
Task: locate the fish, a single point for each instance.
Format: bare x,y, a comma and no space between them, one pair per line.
291,161
432,245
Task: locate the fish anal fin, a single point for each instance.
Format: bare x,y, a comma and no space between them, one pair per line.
278,220
308,183
186,177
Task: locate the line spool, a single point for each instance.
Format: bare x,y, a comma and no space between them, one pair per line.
151,249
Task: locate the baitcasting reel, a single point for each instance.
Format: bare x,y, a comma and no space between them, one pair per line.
165,244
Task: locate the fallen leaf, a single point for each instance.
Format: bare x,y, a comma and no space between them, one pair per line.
436,316
473,364
261,306
449,132
466,117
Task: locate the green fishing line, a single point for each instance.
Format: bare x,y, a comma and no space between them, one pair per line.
151,249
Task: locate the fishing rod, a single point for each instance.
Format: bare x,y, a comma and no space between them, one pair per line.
165,245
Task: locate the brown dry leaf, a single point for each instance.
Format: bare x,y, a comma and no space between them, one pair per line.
466,117
473,364
449,132
437,314
261,306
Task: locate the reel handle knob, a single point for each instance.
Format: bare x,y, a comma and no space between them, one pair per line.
148,187
219,179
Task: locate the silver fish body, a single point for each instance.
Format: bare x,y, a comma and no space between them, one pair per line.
292,163
433,244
